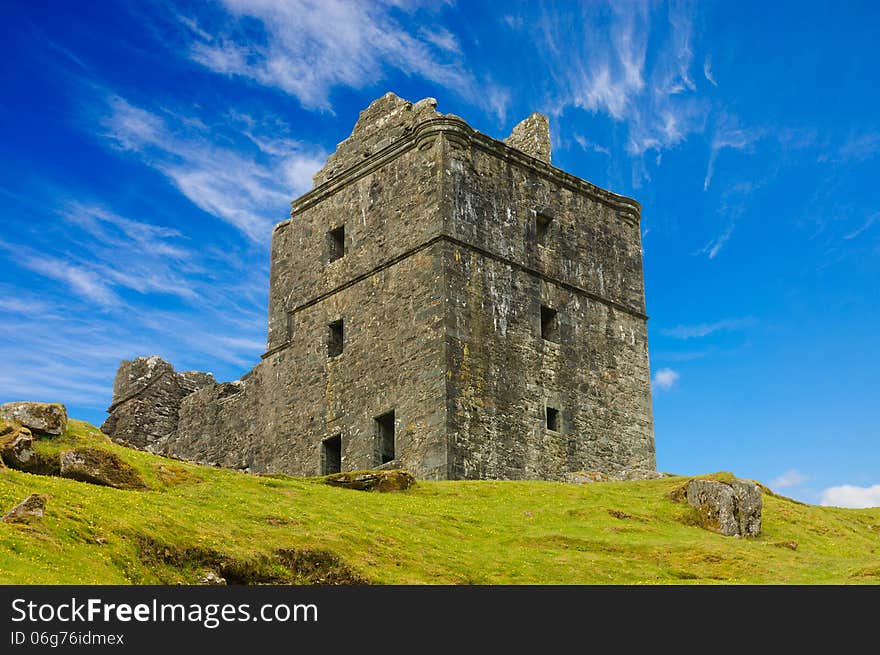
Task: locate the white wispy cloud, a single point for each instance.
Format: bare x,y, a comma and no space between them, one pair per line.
848,495
705,329
714,245
513,22
864,226
185,152
82,281
735,201
707,70
729,134
308,48
664,379
790,478
603,68
860,146
63,340
11,302
116,231
111,254
586,144
441,37
67,357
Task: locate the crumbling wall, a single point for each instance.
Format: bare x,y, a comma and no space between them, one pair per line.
147,393
220,425
532,136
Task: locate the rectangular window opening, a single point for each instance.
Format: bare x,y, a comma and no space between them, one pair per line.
336,243
335,338
552,419
543,219
549,324
385,436
331,455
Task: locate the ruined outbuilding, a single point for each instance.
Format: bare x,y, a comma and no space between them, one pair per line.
441,301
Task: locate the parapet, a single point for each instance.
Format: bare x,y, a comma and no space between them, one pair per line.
385,121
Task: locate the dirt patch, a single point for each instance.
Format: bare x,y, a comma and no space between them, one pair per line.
623,516
791,545
279,520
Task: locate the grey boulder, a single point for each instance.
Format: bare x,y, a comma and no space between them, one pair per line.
732,509
41,418
30,508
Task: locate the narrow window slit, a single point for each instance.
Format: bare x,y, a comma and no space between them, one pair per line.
331,455
335,338
336,243
552,419
385,436
543,219
549,323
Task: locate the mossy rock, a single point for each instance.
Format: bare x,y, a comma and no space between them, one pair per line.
98,466
17,451
393,480
41,418
27,510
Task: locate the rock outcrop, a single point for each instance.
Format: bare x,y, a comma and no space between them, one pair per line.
147,393
17,451
99,466
211,578
394,480
729,508
30,508
40,418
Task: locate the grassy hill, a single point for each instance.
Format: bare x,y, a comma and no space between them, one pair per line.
261,529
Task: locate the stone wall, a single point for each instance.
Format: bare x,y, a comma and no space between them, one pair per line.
147,393
298,396
388,206
526,237
504,374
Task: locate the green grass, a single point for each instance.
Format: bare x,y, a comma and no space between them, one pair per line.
279,529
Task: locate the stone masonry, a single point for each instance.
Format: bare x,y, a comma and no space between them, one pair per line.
440,301
146,400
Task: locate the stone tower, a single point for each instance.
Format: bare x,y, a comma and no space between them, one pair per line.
446,303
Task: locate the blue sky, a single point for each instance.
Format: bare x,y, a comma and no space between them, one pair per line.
148,148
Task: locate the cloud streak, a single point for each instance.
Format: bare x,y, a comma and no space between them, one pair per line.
705,329
605,69
263,180
729,135
293,49
864,226
707,70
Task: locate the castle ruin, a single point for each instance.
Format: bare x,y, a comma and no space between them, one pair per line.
440,301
